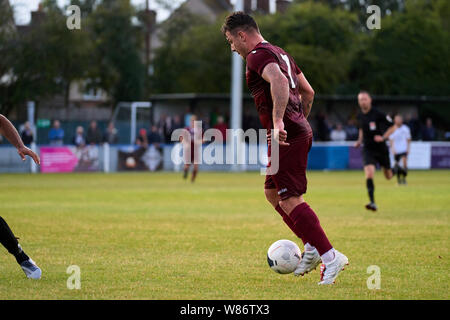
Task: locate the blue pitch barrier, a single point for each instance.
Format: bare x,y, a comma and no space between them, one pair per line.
328,157
109,158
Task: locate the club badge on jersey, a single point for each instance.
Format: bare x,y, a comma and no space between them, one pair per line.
373,125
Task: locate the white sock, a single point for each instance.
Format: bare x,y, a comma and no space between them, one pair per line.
309,247
328,256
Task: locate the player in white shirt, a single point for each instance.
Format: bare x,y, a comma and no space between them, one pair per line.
400,141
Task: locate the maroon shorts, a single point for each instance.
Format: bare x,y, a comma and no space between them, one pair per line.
290,180
191,153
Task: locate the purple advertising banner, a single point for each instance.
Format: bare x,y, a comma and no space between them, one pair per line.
440,157
355,160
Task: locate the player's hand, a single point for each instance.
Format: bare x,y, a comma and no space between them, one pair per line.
279,134
24,151
378,138
357,144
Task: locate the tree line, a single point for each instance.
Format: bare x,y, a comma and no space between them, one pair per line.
329,40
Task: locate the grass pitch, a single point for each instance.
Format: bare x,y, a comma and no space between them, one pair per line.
156,236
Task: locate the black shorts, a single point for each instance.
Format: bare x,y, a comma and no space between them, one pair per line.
397,157
377,156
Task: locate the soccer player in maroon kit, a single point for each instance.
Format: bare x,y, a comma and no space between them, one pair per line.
191,149
283,98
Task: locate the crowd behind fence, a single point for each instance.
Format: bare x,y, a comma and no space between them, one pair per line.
79,133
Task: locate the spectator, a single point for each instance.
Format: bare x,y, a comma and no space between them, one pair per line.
176,124
111,135
414,126
154,137
338,134
446,136
187,118
56,134
213,118
222,127
323,129
250,121
27,134
166,125
94,136
142,140
351,130
79,140
428,133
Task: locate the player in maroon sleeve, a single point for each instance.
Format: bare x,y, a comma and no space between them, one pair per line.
283,98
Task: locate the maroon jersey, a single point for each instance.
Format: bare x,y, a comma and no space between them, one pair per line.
264,53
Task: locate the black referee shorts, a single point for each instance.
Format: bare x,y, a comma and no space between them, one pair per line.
397,157
377,156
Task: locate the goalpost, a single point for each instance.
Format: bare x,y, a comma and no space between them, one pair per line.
132,109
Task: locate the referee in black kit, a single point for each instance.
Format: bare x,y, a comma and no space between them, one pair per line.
374,129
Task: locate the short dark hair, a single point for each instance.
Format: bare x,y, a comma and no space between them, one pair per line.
365,92
239,20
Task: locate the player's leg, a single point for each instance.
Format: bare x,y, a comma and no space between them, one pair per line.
291,183
307,223
405,167
194,172
369,172
186,170
388,173
273,198
396,171
9,241
385,162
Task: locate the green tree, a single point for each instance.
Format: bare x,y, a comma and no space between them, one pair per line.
7,35
408,56
321,40
175,61
118,45
47,59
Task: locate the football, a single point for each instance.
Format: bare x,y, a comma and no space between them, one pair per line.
284,256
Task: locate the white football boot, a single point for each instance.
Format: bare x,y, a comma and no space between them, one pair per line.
310,260
32,271
330,271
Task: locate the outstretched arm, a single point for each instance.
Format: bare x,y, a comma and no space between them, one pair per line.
279,88
385,135
10,133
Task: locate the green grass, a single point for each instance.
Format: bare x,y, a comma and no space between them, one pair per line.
155,236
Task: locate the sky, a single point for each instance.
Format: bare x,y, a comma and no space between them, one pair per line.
23,8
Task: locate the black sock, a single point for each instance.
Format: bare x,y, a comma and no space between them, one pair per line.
405,172
370,189
185,174
9,241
